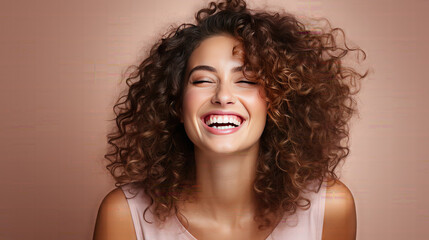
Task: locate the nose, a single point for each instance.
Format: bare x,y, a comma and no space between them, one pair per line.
223,95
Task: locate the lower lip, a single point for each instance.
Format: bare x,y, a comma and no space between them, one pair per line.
222,131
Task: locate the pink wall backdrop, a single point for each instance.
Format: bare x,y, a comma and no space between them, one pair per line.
61,63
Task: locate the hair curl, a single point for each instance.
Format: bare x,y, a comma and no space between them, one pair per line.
309,91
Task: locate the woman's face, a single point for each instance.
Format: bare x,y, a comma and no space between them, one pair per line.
223,112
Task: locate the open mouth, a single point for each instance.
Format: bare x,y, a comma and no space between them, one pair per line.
223,121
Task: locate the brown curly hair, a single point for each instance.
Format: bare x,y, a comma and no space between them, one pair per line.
309,93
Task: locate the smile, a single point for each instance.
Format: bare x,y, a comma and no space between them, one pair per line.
223,121
222,124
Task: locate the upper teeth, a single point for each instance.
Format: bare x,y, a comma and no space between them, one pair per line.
223,119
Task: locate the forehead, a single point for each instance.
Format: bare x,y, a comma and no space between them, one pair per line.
216,50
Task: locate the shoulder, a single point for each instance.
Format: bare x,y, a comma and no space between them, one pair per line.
340,212
114,219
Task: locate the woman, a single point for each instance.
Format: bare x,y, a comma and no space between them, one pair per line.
232,129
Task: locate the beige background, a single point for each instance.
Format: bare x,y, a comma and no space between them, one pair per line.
60,65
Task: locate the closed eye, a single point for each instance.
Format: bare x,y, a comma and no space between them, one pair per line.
248,82
200,81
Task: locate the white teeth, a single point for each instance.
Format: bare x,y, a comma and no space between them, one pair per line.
224,127
224,119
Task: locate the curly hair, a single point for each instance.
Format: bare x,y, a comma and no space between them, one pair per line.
310,101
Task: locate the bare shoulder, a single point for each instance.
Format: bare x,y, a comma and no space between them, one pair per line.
340,213
114,219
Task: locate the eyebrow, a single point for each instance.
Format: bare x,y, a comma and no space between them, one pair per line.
212,69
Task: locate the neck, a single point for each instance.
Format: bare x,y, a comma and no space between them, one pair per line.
225,185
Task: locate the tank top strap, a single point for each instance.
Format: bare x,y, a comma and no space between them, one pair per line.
304,224
150,229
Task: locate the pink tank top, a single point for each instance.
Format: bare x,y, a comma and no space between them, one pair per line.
303,225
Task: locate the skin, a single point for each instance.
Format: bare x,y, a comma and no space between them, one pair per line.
226,164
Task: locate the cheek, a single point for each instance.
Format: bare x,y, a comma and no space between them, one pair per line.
259,107
191,102
257,101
